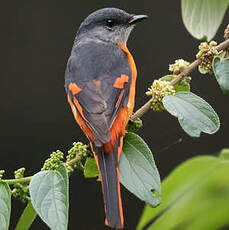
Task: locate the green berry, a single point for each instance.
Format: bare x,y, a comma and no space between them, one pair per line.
1,173
134,126
19,173
78,149
52,163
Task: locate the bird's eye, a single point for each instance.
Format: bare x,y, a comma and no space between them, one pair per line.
110,23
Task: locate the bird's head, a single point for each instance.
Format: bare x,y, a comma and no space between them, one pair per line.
109,25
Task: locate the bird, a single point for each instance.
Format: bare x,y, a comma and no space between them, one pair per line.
100,81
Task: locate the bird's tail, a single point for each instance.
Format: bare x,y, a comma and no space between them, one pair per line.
107,164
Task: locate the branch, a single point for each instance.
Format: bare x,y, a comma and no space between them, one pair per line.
185,72
21,180
78,158
26,180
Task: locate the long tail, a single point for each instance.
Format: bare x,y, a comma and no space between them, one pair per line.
108,167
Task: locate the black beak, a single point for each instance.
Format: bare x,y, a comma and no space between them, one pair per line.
137,18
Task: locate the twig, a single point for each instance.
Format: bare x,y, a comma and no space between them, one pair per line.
78,158
186,71
26,180
141,111
21,180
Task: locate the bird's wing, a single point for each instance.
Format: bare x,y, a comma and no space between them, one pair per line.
98,80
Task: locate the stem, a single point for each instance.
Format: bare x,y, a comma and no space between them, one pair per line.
27,217
222,45
141,111
21,180
27,180
77,159
186,71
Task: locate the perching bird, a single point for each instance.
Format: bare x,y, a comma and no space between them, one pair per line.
100,83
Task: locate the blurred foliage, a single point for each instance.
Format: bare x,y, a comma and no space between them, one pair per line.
194,196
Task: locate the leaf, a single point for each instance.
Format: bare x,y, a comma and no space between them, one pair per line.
5,205
177,183
49,191
224,154
138,172
202,18
90,168
221,71
169,78
182,88
198,205
179,87
27,218
195,115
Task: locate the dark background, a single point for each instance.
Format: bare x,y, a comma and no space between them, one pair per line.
35,42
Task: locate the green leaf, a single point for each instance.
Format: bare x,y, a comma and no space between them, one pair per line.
195,196
195,115
202,18
49,191
182,88
27,218
5,205
224,154
169,78
179,87
138,172
221,71
90,168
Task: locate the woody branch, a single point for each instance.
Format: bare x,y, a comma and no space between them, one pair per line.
178,78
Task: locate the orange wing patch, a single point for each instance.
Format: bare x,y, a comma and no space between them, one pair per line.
131,101
74,88
80,121
117,129
79,108
97,83
120,81
119,99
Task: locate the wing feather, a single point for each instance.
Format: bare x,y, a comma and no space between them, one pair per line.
100,97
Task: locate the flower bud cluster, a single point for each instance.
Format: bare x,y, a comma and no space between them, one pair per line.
52,163
1,173
21,190
226,32
19,173
206,54
178,66
158,90
134,126
78,149
185,80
